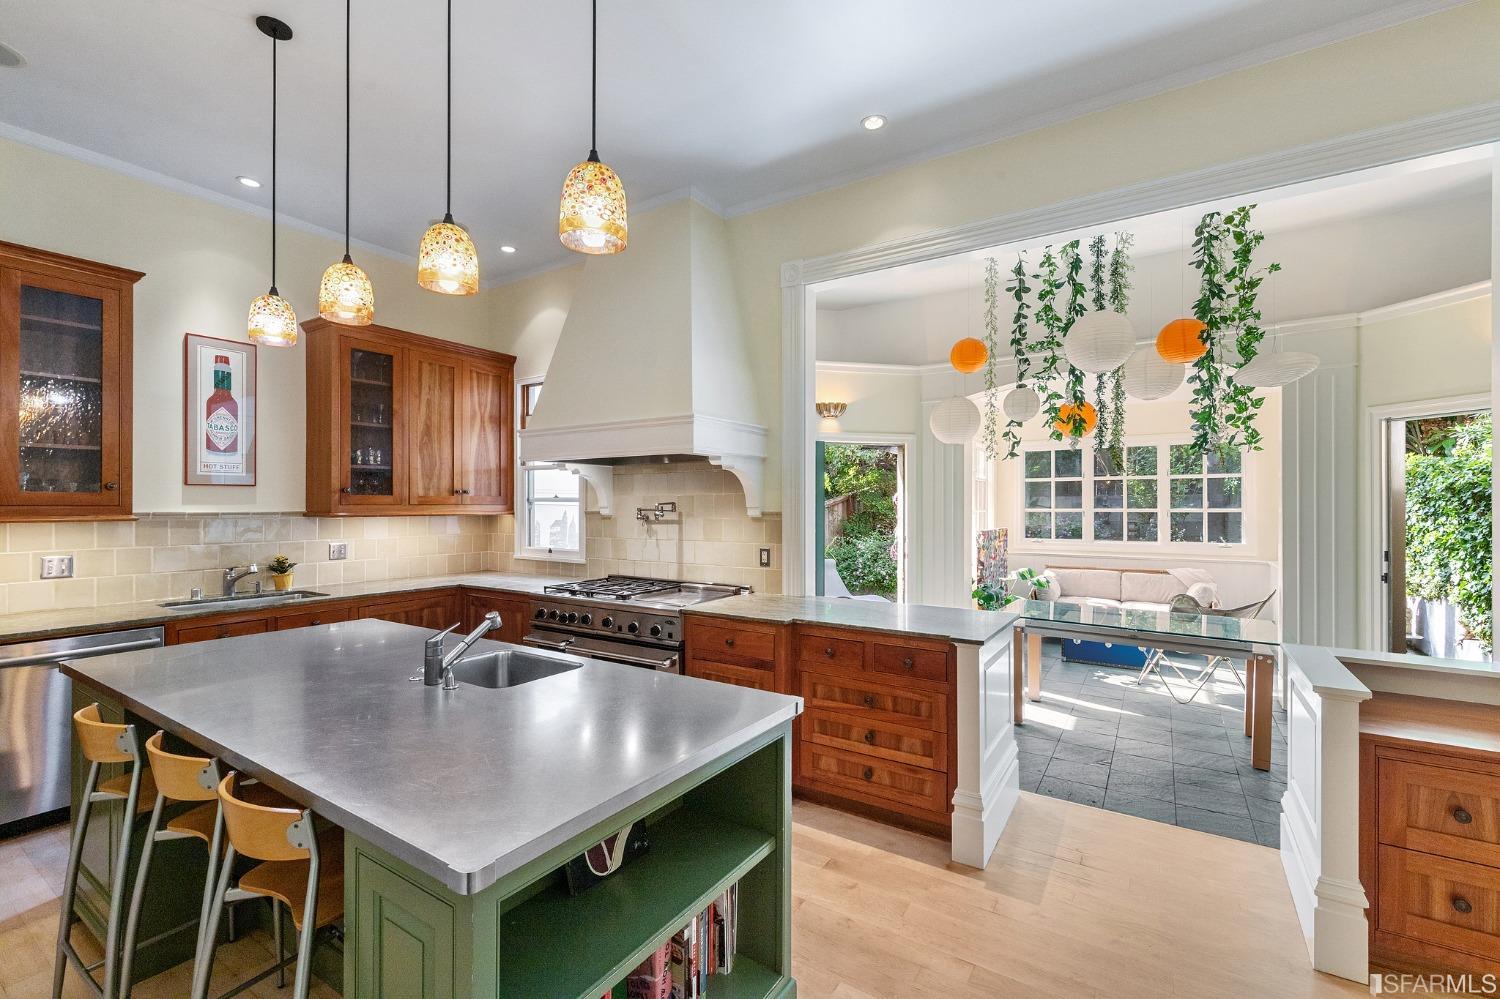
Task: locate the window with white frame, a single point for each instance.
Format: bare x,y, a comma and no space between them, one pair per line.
550,516
1155,494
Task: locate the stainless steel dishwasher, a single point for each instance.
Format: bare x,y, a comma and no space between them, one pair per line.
36,722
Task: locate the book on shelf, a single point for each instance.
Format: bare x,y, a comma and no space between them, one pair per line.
683,967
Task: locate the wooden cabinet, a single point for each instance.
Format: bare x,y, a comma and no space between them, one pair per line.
228,626
65,387
1430,832
515,613
434,609
399,423
324,614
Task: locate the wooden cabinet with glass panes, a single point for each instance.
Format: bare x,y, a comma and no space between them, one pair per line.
65,359
399,423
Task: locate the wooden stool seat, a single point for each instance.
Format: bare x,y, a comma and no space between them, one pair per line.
199,821
120,788
286,880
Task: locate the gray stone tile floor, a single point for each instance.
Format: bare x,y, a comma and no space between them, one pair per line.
1098,738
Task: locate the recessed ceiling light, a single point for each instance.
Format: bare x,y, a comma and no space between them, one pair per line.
873,121
507,249
248,181
10,58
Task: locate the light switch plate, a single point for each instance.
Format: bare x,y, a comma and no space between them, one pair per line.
57,567
338,551
765,558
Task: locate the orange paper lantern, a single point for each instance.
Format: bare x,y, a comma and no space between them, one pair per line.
1066,414
1181,341
968,355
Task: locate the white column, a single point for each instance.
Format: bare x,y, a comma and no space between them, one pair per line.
989,776
798,384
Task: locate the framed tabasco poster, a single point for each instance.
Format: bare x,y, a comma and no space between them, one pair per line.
219,446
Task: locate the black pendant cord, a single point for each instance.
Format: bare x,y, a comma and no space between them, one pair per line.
348,4
448,197
594,86
274,46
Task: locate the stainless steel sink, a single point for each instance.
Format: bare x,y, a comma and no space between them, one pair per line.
510,668
244,599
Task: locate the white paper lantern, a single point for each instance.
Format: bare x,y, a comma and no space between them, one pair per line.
1099,342
1275,370
955,420
1021,404
1148,375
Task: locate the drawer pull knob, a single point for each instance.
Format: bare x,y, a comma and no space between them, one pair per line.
1461,904
869,700
870,775
908,662
729,642
870,736
1462,817
828,652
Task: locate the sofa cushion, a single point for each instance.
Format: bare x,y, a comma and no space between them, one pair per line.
1149,587
1072,583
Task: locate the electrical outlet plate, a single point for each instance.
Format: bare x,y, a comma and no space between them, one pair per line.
57,567
338,551
765,558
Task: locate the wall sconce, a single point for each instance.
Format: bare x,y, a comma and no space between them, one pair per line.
830,410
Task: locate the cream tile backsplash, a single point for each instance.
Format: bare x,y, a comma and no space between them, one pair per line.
161,556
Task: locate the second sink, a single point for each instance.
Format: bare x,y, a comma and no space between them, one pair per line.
510,668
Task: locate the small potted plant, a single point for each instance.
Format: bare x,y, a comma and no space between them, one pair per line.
281,568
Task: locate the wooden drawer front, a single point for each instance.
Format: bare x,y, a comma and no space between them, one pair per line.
718,642
311,619
916,746
1446,903
827,651
740,676
232,629
1426,807
896,705
903,660
882,779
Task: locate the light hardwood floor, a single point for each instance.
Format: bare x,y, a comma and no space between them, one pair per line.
1076,902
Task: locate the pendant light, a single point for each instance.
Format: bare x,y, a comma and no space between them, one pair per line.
272,321
592,216
345,294
447,262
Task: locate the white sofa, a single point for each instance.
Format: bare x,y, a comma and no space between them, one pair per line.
1127,589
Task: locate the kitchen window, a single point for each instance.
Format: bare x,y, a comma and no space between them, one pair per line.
550,517
1152,494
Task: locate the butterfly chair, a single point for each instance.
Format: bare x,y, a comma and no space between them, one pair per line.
1184,605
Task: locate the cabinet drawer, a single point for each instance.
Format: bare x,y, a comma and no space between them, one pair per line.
836,769
1440,810
904,660
740,676
231,629
825,650
858,699
723,642
313,618
1442,902
916,746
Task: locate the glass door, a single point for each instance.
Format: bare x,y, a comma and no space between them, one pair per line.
372,440
61,361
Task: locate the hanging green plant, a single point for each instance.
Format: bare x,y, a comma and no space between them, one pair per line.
1018,290
992,348
1223,411
1048,347
1119,301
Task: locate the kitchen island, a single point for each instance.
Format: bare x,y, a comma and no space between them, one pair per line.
462,806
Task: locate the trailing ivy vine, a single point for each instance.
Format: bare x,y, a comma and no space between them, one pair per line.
1098,255
992,348
1223,411
1119,301
1048,346
1018,289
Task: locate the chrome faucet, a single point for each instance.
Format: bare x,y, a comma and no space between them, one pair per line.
235,573
438,668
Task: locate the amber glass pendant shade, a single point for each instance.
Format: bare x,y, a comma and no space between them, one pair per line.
447,262
346,295
273,322
592,218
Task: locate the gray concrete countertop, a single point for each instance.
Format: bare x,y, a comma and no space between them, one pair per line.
146,613
953,624
466,785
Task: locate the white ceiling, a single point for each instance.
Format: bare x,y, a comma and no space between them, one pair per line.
746,103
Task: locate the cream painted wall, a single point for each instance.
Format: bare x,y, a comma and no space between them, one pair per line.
526,316
204,262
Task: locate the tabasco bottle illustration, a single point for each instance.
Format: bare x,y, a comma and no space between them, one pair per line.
222,423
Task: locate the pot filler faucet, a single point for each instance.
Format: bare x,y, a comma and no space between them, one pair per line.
438,668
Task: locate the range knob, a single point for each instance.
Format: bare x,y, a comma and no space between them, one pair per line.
656,631
553,615
572,617
586,619
608,622
633,627
541,612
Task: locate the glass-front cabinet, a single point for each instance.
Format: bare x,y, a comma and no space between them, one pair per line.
371,422
65,377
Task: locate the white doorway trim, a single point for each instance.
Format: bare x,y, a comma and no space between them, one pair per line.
907,443
1425,136
1374,527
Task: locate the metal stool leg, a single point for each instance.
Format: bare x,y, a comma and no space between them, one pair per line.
280,946
215,847
309,925
203,968
117,886
65,951
132,920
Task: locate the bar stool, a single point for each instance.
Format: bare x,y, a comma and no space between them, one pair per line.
101,743
183,779
301,868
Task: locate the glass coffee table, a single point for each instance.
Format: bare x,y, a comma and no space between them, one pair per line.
1254,642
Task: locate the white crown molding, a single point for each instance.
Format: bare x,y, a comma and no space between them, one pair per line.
869,368
1392,15
1416,306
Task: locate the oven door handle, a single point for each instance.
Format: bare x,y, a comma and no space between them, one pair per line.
542,643
668,664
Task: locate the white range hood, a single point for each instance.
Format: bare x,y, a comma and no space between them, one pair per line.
652,361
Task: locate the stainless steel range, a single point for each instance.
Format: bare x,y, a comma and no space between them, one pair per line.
624,619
